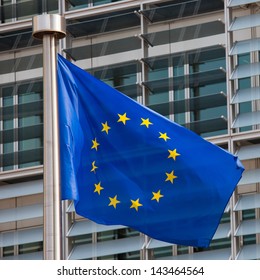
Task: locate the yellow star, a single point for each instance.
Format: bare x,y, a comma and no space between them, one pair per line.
98,188
105,127
173,154
113,201
95,144
164,136
136,204
170,177
157,196
93,167
146,122
123,118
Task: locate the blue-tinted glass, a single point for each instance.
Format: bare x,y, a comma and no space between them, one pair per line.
162,252
160,71
158,98
7,101
121,80
178,70
30,144
121,77
7,94
208,89
245,107
244,59
208,65
8,147
157,74
179,94
8,124
244,83
30,164
214,112
30,92
29,121
79,4
249,239
179,117
101,2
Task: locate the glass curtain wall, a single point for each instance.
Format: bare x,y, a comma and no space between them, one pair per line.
168,55
13,10
21,115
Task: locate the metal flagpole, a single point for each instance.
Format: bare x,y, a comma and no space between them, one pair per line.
50,28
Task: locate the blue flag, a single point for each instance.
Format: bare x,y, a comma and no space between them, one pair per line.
124,164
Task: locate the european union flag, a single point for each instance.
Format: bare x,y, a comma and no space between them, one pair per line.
124,164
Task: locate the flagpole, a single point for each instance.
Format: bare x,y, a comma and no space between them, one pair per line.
49,28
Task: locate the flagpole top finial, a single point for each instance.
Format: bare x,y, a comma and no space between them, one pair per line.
52,24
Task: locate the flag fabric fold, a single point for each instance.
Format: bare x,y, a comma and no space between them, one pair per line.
124,164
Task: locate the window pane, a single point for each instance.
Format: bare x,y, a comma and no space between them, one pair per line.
8,251
30,248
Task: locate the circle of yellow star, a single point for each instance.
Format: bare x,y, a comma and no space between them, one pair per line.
146,122
173,154
164,136
170,177
113,201
157,196
94,167
95,144
135,204
105,128
123,118
98,188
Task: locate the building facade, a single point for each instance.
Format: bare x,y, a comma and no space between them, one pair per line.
196,62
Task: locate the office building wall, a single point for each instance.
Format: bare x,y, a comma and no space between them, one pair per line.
194,61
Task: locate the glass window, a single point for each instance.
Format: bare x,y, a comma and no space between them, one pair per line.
116,234
8,123
249,239
182,250
124,256
79,4
82,239
244,107
121,77
7,99
162,252
22,9
30,144
8,148
7,133
248,214
158,85
243,58
129,256
213,111
8,251
216,244
106,235
119,234
30,248
208,65
22,123
102,2
6,11
29,120
27,97
160,97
